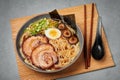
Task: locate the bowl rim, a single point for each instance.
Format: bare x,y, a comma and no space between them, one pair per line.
17,44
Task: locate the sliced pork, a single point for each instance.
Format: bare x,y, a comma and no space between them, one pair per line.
31,43
44,56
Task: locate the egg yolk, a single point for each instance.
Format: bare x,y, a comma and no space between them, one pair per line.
53,33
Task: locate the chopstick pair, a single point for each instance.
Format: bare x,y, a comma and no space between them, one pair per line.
87,49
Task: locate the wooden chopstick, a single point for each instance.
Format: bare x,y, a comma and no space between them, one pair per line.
85,38
90,38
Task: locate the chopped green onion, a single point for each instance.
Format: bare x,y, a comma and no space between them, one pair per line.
41,25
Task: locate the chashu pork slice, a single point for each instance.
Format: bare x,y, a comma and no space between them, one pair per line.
31,43
44,56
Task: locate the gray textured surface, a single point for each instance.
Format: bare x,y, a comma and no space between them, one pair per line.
109,9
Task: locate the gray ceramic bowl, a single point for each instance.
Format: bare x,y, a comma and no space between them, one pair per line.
79,34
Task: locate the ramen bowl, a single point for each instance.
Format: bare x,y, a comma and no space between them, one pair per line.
51,61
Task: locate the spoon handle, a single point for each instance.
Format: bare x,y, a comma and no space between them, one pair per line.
99,26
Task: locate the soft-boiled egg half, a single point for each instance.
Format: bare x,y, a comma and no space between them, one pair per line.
53,33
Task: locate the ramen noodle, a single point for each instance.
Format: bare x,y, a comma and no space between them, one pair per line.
66,52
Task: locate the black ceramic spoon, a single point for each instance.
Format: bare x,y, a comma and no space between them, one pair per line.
98,48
